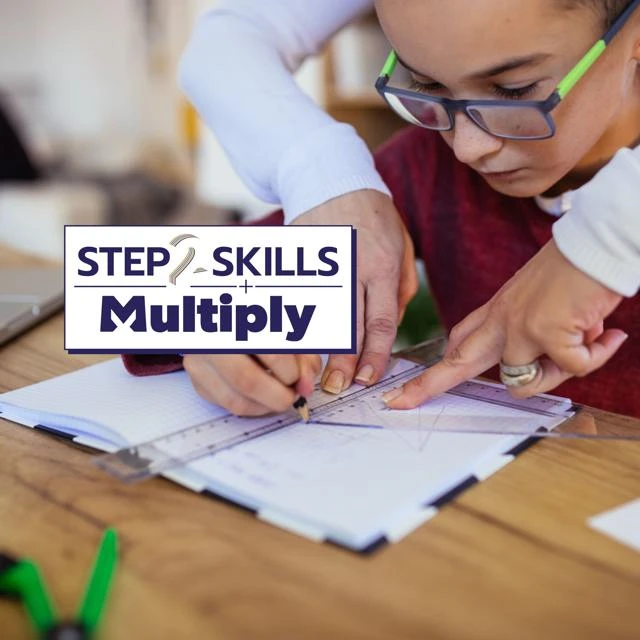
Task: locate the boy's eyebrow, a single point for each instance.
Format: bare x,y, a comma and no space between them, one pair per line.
513,63
503,67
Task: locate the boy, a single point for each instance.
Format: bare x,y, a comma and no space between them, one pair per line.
467,191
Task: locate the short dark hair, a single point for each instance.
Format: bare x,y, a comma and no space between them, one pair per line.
608,9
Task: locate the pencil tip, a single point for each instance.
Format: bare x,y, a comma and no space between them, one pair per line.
301,406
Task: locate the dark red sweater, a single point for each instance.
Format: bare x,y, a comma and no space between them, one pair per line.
472,240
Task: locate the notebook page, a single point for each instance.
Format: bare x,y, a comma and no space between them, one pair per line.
350,489
354,481
347,481
104,400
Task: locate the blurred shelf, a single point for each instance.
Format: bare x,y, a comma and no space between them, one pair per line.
363,101
351,65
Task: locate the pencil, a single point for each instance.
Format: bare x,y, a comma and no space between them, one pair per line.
301,406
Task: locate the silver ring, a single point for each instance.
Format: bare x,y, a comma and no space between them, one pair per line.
519,375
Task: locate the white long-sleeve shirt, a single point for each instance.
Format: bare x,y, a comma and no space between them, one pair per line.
601,232
237,70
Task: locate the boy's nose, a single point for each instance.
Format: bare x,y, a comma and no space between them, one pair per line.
470,142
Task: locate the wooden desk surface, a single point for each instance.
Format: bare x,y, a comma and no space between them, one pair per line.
511,558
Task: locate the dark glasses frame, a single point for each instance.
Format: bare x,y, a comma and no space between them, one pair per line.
544,107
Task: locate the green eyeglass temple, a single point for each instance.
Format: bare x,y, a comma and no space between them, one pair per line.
576,74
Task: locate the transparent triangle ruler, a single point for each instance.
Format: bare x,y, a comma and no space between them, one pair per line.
472,407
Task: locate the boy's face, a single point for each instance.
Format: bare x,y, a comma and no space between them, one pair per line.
449,44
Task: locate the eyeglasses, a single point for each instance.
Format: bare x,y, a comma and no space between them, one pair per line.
509,119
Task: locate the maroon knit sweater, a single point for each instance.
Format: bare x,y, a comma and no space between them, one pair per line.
472,240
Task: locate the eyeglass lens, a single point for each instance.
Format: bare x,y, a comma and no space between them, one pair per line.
517,121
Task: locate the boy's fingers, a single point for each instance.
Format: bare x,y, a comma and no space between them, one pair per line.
477,353
251,381
283,366
212,387
225,397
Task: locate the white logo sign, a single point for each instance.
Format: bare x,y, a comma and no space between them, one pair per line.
210,289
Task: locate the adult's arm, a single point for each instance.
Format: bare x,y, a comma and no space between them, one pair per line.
238,70
601,234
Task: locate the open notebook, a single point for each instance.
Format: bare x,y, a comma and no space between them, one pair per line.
357,487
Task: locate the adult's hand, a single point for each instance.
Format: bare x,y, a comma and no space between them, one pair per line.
548,310
387,281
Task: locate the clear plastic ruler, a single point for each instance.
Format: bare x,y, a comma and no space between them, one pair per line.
472,407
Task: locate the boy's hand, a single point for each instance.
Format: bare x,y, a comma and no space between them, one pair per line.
387,281
548,310
253,385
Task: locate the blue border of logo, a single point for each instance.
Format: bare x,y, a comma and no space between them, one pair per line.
354,301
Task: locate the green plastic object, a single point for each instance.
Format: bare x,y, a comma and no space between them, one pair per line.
22,579
581,68
99,585
25,582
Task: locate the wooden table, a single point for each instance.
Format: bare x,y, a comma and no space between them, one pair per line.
511,558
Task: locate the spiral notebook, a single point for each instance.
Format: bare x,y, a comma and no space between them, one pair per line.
359,488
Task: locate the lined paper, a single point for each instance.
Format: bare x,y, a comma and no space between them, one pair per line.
344,483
